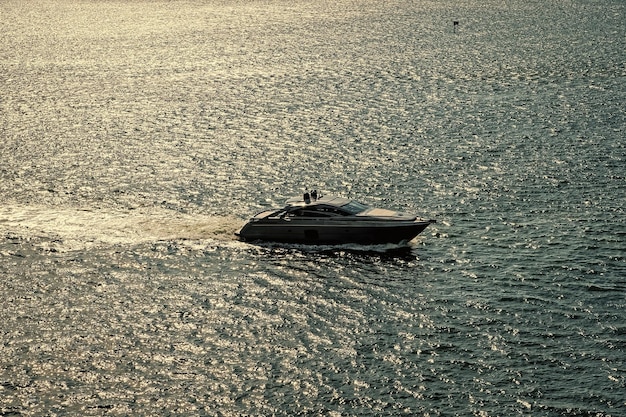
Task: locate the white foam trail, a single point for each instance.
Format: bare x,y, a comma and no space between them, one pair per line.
73,228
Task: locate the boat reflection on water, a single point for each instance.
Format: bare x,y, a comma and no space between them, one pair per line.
328,220
405,253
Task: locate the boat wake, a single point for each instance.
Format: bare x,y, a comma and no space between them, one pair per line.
71,228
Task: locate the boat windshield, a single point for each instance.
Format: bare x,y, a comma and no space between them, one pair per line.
354,207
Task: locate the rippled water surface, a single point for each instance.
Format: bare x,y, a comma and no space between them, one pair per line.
137,137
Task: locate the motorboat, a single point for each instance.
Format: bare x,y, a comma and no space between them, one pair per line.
323,220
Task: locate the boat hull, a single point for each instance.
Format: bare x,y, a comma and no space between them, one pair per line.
324,232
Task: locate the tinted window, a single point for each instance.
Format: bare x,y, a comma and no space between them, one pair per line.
354,207
308,212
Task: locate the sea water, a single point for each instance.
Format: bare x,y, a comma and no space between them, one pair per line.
137,136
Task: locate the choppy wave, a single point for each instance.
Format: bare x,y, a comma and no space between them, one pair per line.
135,137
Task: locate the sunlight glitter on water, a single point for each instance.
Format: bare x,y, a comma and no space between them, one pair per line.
138,136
